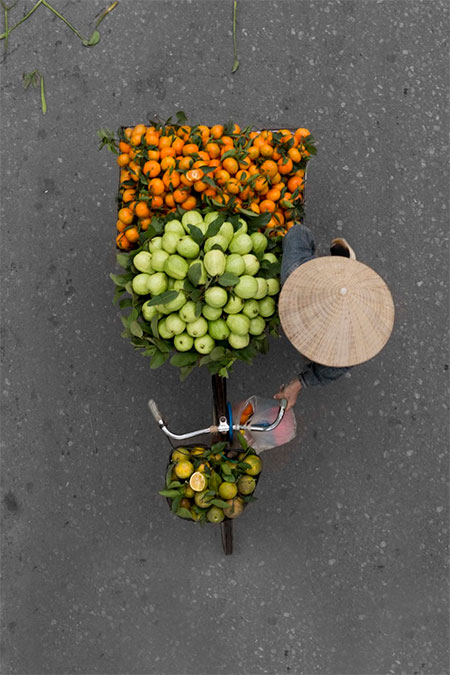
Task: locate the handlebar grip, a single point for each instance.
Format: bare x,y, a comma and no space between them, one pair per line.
283,403
154,410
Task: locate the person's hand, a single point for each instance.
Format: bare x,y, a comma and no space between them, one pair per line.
290,392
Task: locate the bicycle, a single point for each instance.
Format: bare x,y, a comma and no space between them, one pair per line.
221,430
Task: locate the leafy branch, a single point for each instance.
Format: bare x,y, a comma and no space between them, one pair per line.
34,79
6,10
87,42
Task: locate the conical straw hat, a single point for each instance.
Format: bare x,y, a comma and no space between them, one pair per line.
336,311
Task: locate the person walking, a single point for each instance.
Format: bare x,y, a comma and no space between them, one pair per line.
334,310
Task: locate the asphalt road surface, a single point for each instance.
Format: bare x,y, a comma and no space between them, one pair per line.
340,566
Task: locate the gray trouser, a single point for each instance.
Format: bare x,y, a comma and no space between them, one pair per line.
298,248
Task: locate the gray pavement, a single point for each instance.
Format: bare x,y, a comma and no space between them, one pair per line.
340,567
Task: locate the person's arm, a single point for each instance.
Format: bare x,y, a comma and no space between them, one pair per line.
314,374
290,392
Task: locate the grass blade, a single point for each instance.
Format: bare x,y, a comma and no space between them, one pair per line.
236,62
106,12
43,101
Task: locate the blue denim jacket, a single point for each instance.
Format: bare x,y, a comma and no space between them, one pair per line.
298,248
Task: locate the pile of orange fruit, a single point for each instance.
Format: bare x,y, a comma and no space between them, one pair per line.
177,167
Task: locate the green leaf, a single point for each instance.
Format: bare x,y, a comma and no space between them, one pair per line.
169,474
244,465
219,447
158,360
226,470
169,493
235,66
215,226
198,309
125,302
260,221
175,484
154,326
229,479
161,299
136,329
196,234
229,153
196,295
242,441
184,359
228,279
194,273
176,503
184,513
220,503
162,345
122,259
121,279
214,481
93,40
185,371
217,353
181,117
270,270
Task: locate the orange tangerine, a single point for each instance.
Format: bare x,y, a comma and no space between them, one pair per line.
126,215
269,167
230,165
123,159
190,149
132,234
156,186
213,150
122,242
142,210
168,163
217,131
167,151
285,165
267,205
171,179
266,150
151,168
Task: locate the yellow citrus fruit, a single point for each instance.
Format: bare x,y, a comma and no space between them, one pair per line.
198,450
235,508
215,514
179,454
246,485
255,464
184,469
188,492
227,490
197,481
202,501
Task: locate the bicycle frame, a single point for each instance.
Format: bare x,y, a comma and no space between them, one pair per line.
222,428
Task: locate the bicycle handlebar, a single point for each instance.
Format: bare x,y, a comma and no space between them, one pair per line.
223,427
